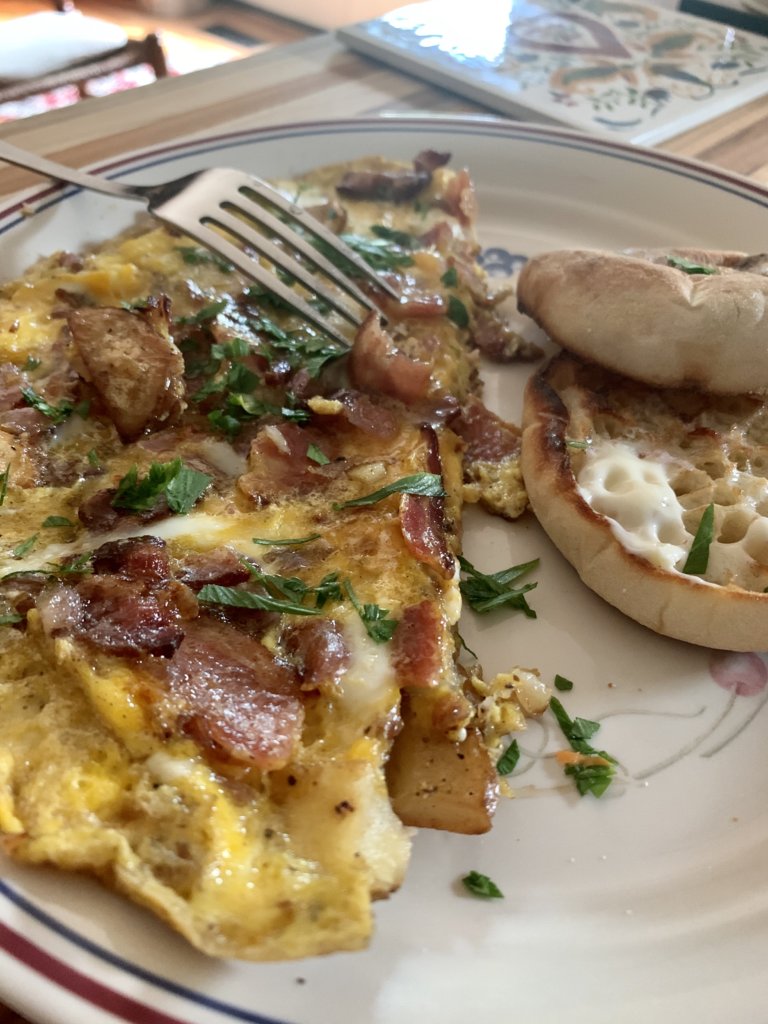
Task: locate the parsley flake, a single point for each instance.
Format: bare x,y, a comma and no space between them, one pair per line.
179,484
508,760
698,557
688,266
56,413
427,484
482,886
25,547
317,455
195,257
10,618
592,778
563,684
457,312
450,278
484,592
52,522
286,542
4,477
379,625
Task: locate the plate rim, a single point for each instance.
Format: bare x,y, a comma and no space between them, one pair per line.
12,212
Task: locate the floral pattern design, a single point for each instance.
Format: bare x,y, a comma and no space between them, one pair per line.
621,67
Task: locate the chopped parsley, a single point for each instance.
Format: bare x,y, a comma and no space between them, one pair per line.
56,413
76,566
457,312
563,684
399,238
285,594
93,457
698,557
581,445
379,625
195,257
52,522
317,455
24,547
204,315
31,363
589,778
428,484
482,886
379,253
484,592
508,760
4,477
234,597
688,266
287,542
181,486
450,278
303,349
10,618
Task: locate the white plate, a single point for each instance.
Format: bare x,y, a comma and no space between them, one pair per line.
647,905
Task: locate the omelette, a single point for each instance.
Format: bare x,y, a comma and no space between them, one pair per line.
229,580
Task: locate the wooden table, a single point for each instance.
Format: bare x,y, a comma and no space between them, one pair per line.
311,80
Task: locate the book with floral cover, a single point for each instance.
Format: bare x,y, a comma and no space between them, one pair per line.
630,70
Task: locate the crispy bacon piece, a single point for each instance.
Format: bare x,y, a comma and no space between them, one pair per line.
112,614
459,198
279,465
376,365
390,186
362,412
423,526
439,236
429,160
395,186
133,363
98,514
422,519
500,342
221,566
320,652
416,653
487,437
134,558
237,699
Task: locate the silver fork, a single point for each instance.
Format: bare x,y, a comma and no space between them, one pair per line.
224,210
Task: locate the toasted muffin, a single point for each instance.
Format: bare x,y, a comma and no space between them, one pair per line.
672,317
620,475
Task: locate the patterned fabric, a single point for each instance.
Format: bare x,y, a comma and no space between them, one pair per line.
129,78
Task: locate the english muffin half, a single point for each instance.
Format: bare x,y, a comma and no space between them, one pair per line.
672,317
659,499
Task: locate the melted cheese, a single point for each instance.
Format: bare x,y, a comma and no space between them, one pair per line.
633,492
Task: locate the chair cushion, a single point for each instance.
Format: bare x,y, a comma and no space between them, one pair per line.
48,41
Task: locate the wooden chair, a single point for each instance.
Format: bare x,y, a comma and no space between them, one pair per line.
132,53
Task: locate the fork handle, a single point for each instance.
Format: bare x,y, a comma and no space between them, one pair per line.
60,172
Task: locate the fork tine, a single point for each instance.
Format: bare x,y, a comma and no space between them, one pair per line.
251,268
257,214
266,192
239,228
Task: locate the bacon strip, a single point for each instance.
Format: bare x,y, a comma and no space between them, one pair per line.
416,653
422,519
238,701
115,615
487,437
376,365
320,651
279,465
